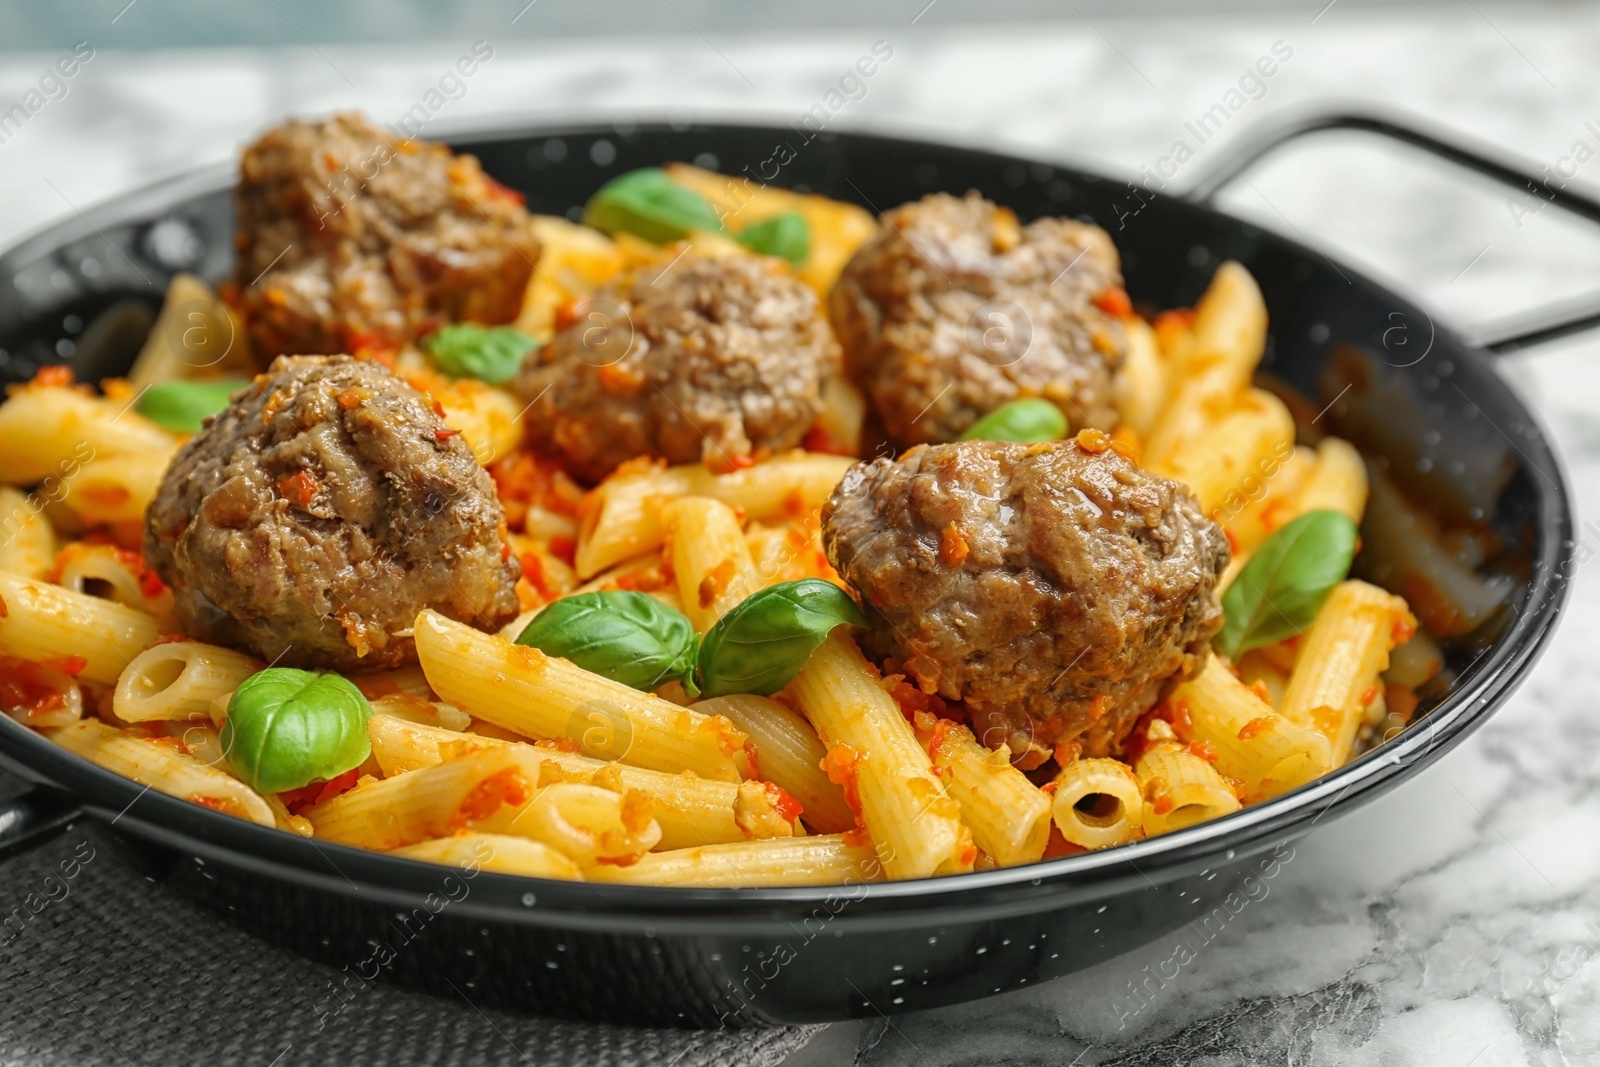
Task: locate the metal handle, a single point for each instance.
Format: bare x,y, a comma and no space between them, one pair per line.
33,818
1525,329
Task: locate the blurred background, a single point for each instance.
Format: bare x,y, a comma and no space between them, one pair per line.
165,86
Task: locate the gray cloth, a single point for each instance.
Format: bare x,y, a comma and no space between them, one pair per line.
100,965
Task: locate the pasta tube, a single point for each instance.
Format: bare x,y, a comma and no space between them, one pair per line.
178,680
158,763
522,689
789,754
622,516
1097,803
822,860
1222,459
115,489
51,432
1180,788
27,541
48,624
1008,815
1265,751
914,824
588,824
1335,677
1230,331
710,558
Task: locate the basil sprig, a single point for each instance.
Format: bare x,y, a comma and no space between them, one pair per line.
651,205
1028,420
1279,592
628,637
287,728
787,235
632,638
489,354
760,645
183,406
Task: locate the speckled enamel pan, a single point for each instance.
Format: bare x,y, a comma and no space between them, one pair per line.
1430,408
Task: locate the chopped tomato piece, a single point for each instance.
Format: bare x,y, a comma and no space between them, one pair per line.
1114,302
58,375
299,488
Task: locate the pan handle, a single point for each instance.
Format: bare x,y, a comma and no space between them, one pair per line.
1526,329
28,821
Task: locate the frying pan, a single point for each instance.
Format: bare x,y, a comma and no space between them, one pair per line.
86,290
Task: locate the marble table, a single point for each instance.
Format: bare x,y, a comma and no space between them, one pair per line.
1456,921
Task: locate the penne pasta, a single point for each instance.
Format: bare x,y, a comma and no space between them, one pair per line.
522,689
789,754
914,824
113,489
49,433
622,517
1141,385
1229,335
825,860
1179,787
587,824
158,763
417,709
691,810
1338,481
1337,673
1097,803
430,802
39,696
194,334
500,853
709,557
27,540
1221,461
48,624
178,680
1266,752
1008,815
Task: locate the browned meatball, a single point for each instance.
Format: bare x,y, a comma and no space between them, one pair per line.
695,359
1056,588
348,236
953,309
312,519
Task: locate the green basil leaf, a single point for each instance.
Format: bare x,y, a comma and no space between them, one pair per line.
489,354
761,644
1279,592
287,728
787,235
1028,420
651,205
181,406
631,638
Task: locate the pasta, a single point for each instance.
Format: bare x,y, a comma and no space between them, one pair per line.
178,680
915,826
538,696
487,754
709,557
161,763
1336,675
1097,803
623,517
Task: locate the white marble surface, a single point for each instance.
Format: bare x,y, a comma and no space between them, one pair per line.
1456,922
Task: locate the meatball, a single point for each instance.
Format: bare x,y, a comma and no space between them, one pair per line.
1058,589
953,309
312,519
697,359
348,236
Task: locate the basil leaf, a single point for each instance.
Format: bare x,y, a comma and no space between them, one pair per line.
1026,420
287,728
1279,592
628,637
787,235
761,644
181,406
466,350
651,205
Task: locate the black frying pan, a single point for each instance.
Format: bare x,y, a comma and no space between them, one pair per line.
87,289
